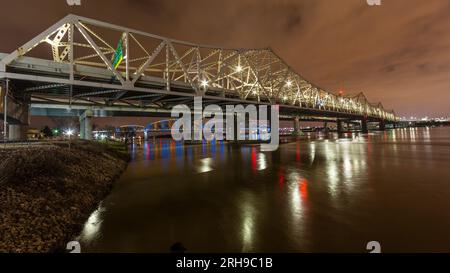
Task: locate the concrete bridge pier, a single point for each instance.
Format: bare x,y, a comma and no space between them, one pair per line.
247,131
296,126
17,132
364,128
382,125
15,113
86,125
325,127
340,127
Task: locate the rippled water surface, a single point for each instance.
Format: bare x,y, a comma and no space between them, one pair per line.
319,194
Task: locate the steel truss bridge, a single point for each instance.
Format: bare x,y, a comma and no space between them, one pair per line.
81,62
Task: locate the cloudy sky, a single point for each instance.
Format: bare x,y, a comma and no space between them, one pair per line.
397,53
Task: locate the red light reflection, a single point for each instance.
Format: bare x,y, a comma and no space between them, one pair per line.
281,178
303,186
254,160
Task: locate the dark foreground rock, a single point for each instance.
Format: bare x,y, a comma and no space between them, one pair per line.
47,192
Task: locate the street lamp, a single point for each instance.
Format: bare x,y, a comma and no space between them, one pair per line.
69,133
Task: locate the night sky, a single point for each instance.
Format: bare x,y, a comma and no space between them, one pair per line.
397,53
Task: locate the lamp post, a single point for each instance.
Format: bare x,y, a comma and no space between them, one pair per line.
69,133
5,112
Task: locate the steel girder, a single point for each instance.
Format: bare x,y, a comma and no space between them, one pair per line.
257,75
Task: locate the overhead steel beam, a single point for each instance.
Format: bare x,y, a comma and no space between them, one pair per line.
246,75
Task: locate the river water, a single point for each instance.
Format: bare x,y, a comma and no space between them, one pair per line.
319,194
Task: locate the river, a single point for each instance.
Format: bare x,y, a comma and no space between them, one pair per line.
319,194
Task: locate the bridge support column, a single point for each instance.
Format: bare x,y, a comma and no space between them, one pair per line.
16,115
82,130
4,107
86,125
296,126
247,133
382,125
325,127
17,132
340,127
364,128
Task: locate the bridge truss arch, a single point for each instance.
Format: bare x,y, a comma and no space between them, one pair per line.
98,63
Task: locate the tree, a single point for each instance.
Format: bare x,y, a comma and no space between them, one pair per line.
47,132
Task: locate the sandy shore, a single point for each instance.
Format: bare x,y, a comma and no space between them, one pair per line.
47,192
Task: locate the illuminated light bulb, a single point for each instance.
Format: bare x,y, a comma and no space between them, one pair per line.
69,132
238,68
289,83
204,83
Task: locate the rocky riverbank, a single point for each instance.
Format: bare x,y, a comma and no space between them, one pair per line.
47,192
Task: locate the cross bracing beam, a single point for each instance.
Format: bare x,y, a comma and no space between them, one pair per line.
83,53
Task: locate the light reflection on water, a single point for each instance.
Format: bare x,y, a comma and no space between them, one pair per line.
317,194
